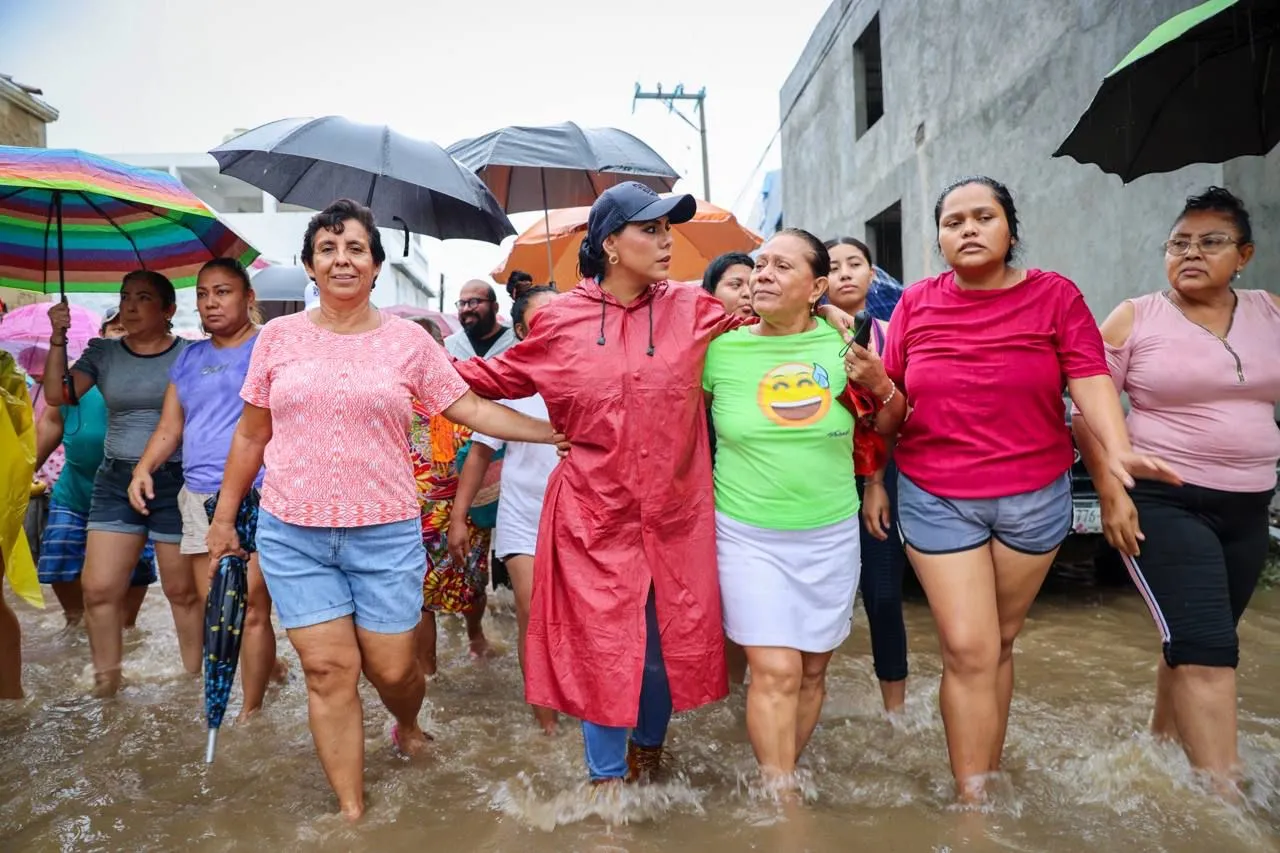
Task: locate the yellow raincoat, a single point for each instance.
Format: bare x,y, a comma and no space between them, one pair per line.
17,468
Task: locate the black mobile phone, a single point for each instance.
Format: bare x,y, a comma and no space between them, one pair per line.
862,329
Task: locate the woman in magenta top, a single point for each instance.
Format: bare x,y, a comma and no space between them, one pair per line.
328,399
1201,364
982,353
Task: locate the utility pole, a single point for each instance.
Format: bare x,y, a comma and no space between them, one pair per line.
700,106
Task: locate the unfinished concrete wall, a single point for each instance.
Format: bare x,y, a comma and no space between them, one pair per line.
991,87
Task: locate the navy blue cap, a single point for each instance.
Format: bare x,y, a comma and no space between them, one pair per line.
634,202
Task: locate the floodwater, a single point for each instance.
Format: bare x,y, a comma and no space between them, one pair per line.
81,774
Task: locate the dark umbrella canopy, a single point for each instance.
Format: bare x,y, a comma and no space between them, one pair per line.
563,165
224,619
1203,87
311,162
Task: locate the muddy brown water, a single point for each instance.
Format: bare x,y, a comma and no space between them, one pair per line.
81,774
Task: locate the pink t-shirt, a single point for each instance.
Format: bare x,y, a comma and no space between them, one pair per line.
984,372
1190,403
340,412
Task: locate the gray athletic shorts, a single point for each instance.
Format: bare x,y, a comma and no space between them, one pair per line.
1031,522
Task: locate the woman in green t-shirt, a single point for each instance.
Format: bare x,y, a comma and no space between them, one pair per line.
786,505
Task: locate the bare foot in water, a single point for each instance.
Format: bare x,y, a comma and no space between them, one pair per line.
280,672
409,742
106,684
480,648
547,718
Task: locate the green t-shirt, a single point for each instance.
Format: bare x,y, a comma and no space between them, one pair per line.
784,442
84,431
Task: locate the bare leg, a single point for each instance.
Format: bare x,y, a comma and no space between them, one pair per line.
520,568
1019,577
962,597
108,564
427,643
10,649
736,658
894,695
133,599
185,601
392,668
71,598
258,653
1204,701
475,628
773,706
1164,723
330,656
200,575
813,690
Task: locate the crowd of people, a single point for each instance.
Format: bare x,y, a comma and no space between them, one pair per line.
686,486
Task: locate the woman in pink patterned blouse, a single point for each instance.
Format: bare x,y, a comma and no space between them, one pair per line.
328,406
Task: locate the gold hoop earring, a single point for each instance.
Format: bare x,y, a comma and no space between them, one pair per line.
613,259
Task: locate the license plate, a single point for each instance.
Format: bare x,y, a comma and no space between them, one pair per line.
1087,517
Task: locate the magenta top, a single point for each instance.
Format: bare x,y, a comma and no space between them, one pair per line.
1206,406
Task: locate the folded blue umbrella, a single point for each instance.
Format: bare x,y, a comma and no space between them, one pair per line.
224,618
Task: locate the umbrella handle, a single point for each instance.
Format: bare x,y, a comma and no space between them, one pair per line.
405,226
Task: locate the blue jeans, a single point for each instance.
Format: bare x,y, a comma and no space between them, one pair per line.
606,746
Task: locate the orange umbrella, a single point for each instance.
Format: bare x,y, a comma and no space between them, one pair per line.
712,232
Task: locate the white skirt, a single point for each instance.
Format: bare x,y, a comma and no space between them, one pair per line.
788,588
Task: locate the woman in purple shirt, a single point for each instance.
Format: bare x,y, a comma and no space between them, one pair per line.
201,409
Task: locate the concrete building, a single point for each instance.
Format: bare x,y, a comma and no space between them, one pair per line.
893,99
23,118
766,214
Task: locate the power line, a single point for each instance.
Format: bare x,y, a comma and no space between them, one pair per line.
670,98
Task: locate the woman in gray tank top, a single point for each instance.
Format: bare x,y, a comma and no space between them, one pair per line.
132,373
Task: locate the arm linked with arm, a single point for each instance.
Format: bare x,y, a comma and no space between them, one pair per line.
509,376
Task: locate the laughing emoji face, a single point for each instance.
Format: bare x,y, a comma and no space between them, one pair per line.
795,395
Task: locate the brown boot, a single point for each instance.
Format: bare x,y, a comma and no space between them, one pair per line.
646,764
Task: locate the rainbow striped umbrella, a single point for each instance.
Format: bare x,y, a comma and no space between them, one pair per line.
76,222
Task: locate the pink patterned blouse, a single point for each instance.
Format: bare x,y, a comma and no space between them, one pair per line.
341,406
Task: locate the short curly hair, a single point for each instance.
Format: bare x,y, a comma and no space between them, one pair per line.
333,219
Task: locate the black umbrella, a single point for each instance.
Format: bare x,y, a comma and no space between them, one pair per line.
1203,87
224,618
540,168
311,162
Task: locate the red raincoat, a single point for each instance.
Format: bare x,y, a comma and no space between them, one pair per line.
629,507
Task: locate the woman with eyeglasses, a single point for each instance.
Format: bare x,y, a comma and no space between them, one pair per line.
1201,364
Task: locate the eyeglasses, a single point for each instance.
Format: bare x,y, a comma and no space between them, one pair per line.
471,303
1213,244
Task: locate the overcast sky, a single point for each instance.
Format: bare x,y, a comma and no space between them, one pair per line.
177,76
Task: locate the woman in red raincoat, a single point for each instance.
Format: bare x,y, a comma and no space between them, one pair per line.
625,621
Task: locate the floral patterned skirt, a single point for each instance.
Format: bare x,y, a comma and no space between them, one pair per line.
448,588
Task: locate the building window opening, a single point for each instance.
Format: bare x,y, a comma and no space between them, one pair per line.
868,77
884,235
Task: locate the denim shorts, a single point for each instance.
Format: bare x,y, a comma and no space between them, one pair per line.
318,574
110,510
1030,522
